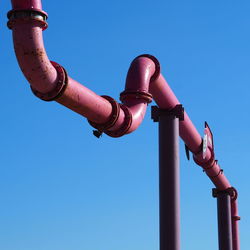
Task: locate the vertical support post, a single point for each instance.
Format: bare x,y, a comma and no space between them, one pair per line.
169,179
225,236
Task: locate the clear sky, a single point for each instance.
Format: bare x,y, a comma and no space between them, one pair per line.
61,188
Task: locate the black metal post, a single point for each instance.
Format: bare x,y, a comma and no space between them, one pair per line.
224,219
169,180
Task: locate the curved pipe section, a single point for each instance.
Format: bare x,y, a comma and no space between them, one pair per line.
49,81
27,23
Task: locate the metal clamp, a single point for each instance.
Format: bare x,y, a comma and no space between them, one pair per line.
136,95
112,119
177,111
126,124
215,176
25,15
230,191
61,85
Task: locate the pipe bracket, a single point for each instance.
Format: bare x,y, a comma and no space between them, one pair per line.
62,81
230,191
177,111
25,15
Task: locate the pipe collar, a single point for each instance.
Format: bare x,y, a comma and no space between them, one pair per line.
62,82
112,119
25,15
136,95
126,124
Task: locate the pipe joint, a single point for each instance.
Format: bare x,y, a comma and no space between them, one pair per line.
26,15
105,127
62,81
112,119
220,172
128,119
125,95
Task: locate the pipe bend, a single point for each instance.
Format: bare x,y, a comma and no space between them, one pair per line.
136,95
32,57
135,99
48,80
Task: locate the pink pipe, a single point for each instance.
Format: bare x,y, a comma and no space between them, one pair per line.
85,102
43,76
73,98
235,224
166,99
26,4
32,57
142,81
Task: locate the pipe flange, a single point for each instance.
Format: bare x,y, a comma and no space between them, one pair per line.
25,15
61,85
157,65
136,95
125,126
113,117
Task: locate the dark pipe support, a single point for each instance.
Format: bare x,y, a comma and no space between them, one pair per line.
169,181
225,236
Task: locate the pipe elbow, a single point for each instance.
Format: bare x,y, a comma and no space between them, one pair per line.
136,96
127,116
27,21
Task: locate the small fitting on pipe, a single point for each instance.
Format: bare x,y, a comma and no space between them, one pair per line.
62,82
104,127
25,15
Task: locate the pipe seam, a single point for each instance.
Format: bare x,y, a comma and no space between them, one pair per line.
128,119
112,119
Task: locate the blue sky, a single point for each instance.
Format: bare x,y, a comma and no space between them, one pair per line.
63,189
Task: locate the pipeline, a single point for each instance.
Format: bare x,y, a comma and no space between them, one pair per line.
49,81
